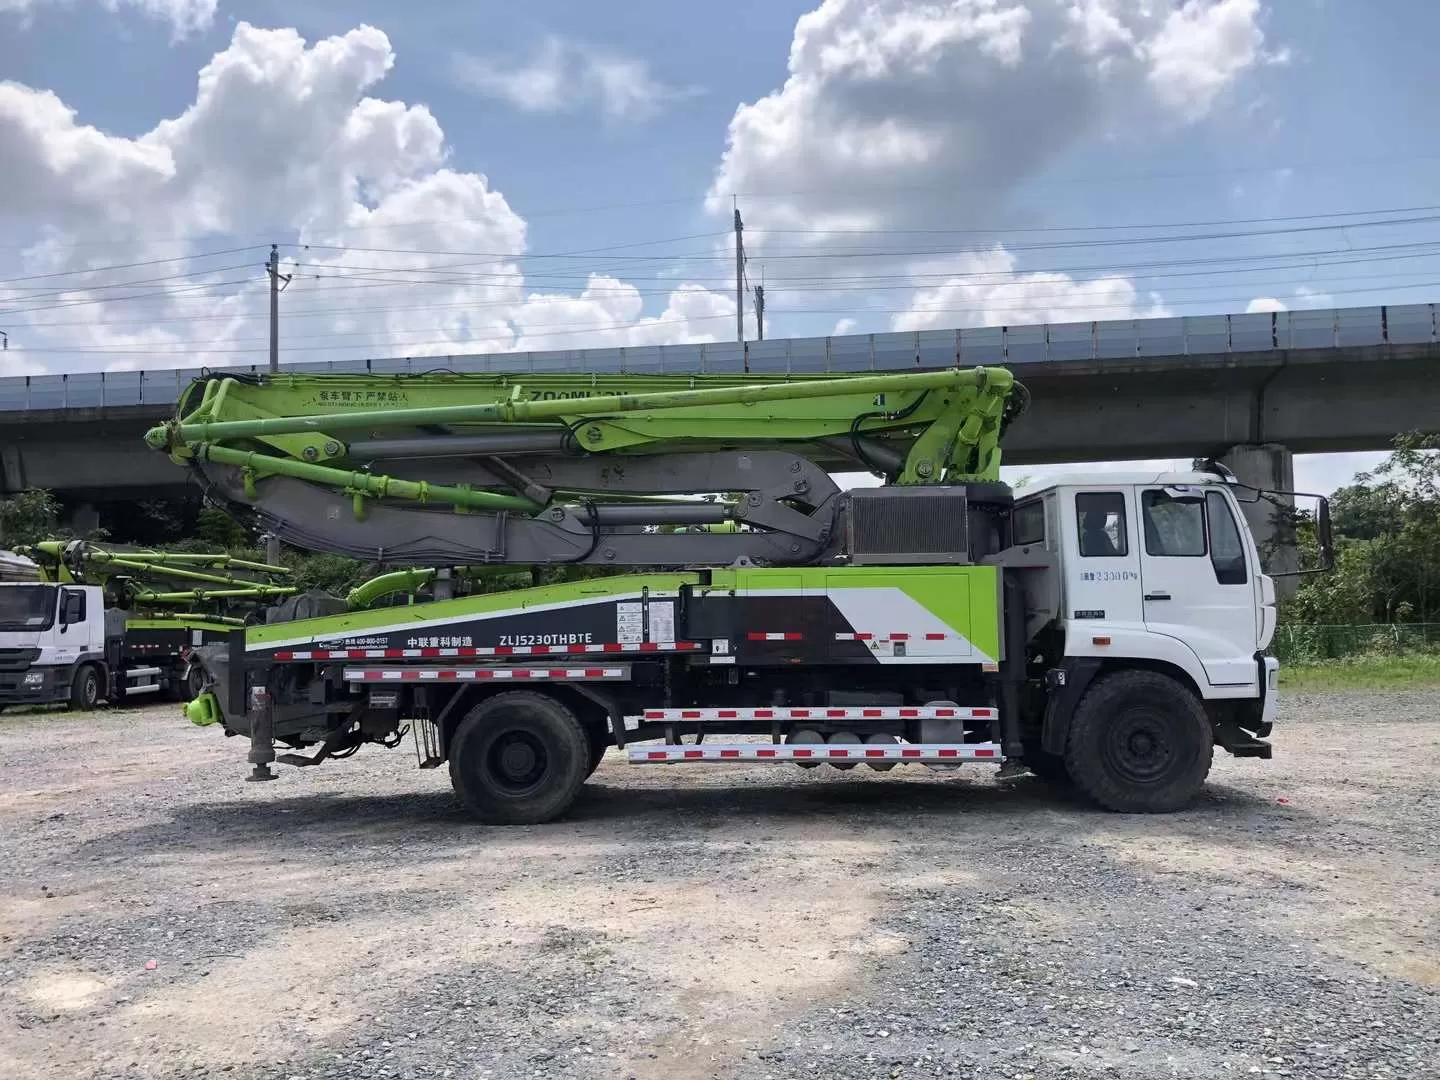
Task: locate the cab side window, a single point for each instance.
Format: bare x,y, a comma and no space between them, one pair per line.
72,607
1227,554
1100,518
1029,523
1173,526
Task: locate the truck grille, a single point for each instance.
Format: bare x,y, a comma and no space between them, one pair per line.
18,659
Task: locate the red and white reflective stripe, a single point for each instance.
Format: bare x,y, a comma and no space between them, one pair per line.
497,674
756,635
899,635
922,753
486,650
824,712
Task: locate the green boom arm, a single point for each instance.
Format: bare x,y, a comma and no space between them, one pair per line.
586,456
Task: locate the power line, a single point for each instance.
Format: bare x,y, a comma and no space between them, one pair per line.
129,266
850,284
1022,304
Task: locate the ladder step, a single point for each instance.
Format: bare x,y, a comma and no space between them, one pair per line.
818,753
483,674
822,712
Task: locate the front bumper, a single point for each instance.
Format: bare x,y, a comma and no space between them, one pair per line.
35,686
1270,690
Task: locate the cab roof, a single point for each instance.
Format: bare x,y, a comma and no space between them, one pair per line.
1099,479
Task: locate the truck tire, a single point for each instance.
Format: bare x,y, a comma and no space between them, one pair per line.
599,739
519,758
1139,742
193,683
1049,768
85,688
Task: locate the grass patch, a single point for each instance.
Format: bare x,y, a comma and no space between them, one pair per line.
1362,673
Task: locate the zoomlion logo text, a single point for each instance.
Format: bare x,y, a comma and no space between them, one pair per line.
559,395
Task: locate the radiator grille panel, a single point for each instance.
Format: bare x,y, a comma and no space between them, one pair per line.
902,525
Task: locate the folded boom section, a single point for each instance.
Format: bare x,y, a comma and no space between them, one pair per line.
637,470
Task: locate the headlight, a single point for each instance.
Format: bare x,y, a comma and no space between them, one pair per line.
35,678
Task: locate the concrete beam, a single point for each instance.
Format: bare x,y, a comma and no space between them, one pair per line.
1309,401
1269,467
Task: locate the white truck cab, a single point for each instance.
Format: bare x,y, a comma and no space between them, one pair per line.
1159,566
52,644
1147,590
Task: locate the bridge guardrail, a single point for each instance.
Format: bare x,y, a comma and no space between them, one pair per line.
1188,335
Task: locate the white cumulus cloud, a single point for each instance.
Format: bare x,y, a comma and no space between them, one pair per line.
185,16
567,76
147,251
903,124
987,290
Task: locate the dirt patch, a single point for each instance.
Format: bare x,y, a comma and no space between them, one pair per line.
159,917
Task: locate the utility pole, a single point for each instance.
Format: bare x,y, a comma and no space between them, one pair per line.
739,278
274,269
272,542
760,311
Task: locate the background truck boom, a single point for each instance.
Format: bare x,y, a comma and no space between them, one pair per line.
105,622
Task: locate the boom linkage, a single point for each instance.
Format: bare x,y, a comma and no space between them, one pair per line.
452,469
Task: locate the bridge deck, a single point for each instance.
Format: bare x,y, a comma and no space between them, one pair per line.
1183,341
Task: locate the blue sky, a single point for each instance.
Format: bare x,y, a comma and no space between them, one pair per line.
1270,117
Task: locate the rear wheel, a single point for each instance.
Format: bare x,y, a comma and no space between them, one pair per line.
1139,742
599,739
85,688
519,758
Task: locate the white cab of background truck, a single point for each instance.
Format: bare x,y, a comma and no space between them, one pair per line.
1158,567
52,644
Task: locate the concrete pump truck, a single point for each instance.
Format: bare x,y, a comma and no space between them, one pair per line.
1106,631
83,622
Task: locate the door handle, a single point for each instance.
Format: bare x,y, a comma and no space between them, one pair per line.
1157,596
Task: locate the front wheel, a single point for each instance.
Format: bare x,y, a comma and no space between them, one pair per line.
519,758
85,689
1049,768
1139,742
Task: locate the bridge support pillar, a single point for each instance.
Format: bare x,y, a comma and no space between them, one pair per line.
1271,467
84,519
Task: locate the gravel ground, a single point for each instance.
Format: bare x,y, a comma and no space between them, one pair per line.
161,918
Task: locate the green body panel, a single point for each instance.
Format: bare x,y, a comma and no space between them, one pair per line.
574,592
964,598
200,623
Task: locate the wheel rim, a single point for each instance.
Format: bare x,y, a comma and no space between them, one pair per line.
92,688
517,762
1138,748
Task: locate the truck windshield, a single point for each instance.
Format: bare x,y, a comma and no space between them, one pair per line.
27,607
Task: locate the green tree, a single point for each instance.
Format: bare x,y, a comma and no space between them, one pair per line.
1387,525
32,515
